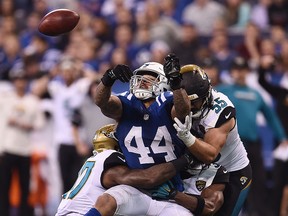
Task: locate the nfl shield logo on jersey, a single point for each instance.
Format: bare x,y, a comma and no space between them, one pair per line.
200,185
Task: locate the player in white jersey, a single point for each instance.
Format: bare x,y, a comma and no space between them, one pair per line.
204,185
108,168
214,131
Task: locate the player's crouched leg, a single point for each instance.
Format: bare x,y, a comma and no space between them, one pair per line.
166,208
130,201
93,212
104,206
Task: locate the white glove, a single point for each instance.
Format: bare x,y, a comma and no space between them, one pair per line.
183,130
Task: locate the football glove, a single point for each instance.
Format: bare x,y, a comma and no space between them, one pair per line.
183,130
165,191
120,72
172,71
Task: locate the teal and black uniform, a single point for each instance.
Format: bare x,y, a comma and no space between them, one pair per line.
248,102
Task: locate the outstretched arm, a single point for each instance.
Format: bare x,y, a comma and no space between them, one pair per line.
110,105
208,149
266,64
182,103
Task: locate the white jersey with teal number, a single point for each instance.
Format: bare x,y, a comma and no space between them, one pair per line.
233,154
88,186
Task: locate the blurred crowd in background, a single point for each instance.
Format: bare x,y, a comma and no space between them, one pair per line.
47,114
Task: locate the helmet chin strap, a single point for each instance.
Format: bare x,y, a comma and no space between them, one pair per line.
199,113
206,105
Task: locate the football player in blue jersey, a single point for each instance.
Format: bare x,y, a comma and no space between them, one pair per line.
213,126
145,113
107,168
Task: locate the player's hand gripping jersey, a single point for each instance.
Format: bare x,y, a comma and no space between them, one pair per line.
203,176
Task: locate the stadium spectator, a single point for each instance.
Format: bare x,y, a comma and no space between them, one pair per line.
268,65
237,15
259,14
162,28
22,17
67,92
210,66
277,13
186,47
22,114
221,51
203,14
248,102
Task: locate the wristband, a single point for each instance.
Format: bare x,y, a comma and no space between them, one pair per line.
107,79
200,205
175,82
93,212
180,163
173,194
189,139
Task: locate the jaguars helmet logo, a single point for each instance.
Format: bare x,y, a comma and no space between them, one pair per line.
243,180
200,185
104,138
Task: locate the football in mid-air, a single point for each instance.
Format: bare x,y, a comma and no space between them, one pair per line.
58,22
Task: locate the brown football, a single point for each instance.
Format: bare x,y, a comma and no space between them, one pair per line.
57,22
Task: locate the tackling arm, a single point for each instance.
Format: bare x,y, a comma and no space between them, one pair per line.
182,105
144,178
208,149
208,203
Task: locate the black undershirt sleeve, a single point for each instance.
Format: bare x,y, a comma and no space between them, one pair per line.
115,159
228,113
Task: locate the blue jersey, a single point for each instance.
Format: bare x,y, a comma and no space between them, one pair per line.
146,135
